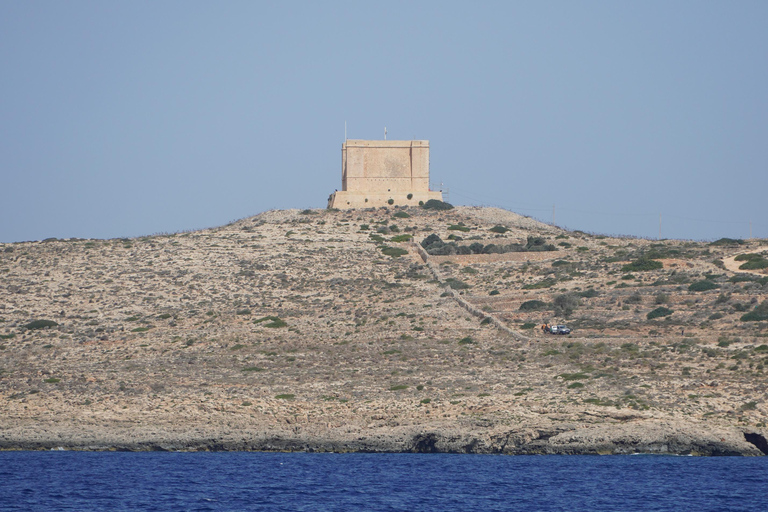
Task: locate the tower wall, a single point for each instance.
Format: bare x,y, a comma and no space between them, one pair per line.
377,171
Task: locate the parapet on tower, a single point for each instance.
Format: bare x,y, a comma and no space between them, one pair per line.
383,173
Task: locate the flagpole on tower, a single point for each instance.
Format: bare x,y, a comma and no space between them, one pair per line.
385,133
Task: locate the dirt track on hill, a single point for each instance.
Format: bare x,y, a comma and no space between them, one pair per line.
733,265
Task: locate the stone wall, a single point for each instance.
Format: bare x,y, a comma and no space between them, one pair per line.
471,308
468,259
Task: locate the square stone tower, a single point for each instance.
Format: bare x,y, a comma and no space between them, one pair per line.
383,173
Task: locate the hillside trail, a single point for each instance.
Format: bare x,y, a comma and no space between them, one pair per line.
423,256
733,265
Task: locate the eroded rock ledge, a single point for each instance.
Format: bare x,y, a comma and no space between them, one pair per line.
649,437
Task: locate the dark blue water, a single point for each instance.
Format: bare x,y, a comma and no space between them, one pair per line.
83,481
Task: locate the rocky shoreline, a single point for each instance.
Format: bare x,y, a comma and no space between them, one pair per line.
328,331
645,437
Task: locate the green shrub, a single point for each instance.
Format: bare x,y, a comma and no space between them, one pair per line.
532,305
537,243
243,312
575,385
723,341
286,396
566,304
141,329
390,202
426,401
457,227
401,238
466,341
40,324
544,283
52,380
456,284
252,369
659,312
727,241
755,262
599,401
401,215
702,286
642,265
759,314
435,204
574,376
409,196
273,322
723,298
499,229
398,387
364,227
528,325
494,292
394,252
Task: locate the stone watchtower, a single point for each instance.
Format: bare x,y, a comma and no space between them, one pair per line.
383,173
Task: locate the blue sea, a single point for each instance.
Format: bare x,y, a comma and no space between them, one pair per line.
231,481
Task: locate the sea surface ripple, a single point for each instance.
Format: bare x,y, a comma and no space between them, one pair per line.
235,481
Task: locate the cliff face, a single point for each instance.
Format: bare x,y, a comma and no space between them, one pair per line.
305,331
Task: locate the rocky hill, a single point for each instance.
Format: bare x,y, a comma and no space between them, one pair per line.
332,330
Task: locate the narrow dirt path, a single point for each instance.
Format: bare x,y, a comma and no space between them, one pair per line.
471,308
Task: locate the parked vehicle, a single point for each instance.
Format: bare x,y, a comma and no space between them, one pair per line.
556,329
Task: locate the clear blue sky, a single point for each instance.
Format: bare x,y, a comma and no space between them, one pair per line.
127,118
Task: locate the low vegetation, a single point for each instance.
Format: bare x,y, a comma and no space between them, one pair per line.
343,326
